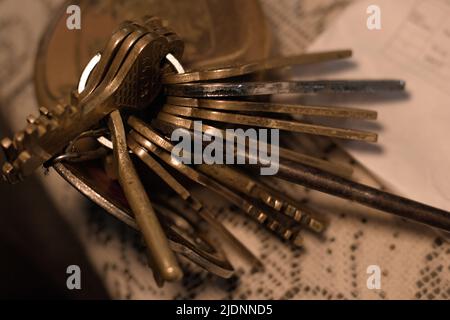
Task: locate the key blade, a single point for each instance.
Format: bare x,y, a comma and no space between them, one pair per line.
256,66
162,257
167,123
317,179
242,89
267,107
255,121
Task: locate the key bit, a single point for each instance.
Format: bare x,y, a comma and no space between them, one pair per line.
256,66
270,197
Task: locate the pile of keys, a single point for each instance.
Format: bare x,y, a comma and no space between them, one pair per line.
138,68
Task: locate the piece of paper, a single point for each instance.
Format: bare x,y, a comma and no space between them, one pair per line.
413,44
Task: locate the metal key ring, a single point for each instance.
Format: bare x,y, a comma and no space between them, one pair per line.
176,64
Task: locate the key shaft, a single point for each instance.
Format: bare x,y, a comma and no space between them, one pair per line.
161,256
317,179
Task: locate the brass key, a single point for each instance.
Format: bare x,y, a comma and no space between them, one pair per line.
163,260
135,84
144,136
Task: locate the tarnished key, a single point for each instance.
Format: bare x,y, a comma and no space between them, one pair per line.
161,257
167,123
147,138
134,85
267,107
193,202
279,224
257,66
265,122
242,89
244,184
317,179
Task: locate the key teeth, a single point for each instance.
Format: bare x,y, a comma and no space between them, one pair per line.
152,21
10,174
44,111
158,26
297,240
23,158
58,110
316,225
42,130
261,217
286,233
18,141
31,135
20,157
31,119
8,148
24,163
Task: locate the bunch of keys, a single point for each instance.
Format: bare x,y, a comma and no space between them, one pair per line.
139,67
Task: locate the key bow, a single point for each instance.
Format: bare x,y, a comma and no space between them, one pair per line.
127,76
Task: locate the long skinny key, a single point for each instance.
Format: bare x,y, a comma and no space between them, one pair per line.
161,257
242,89
258,121
320,180
256,66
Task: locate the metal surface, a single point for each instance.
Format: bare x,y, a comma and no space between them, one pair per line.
88,71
